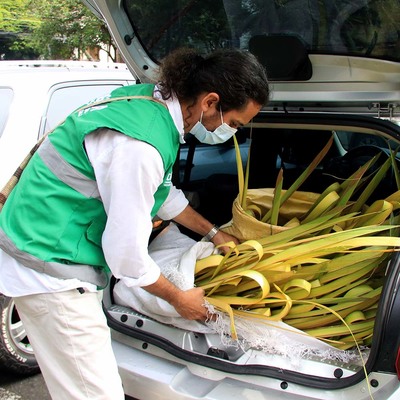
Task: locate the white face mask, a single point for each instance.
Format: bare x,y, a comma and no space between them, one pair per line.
219,135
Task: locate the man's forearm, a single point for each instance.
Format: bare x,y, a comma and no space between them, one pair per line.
164,288
192,220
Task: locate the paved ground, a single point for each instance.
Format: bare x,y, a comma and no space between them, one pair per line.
19,388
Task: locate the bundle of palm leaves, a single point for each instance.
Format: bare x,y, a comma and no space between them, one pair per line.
324,272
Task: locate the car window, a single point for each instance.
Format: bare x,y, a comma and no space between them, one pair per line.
6,97
66,99
360,28
210,160
350,140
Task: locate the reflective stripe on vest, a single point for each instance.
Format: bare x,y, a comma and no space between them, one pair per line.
66,173
63,170
86,273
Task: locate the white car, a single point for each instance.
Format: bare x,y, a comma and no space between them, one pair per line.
34,97
334,68
37,95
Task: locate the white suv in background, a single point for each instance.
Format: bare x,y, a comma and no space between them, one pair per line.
34,97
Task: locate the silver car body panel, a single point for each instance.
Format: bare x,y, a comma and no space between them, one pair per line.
151,356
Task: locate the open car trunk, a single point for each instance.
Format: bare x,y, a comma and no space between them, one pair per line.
333,69
289,141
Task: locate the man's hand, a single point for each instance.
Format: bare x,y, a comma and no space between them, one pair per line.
221,238
194,221
188,303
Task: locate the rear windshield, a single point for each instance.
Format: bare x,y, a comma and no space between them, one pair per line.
367,28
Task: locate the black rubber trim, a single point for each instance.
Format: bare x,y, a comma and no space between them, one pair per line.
386,338
225,366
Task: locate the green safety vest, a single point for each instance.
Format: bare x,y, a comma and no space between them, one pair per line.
54,219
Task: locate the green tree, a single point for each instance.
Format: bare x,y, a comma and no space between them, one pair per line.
55,29
16,23
68,30
15,16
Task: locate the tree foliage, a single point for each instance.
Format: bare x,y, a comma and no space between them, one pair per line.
55,29
15,16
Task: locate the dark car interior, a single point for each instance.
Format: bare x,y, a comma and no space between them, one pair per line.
291,149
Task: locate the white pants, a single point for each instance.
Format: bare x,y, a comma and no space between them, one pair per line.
69,334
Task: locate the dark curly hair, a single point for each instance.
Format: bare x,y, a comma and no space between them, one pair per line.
236,75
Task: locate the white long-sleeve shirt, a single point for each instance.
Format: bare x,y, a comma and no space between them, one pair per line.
128,172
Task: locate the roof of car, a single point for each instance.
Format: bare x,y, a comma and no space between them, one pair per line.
47,73
65,64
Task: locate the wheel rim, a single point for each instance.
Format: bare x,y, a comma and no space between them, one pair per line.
17,331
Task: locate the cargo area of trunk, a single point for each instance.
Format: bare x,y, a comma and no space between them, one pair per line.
288,141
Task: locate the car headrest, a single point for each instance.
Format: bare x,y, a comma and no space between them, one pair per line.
284,57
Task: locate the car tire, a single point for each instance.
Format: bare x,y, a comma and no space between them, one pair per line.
16,354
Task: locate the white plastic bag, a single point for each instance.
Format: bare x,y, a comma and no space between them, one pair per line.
176,255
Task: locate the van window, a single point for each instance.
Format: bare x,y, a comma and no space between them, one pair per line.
66,99
6,97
